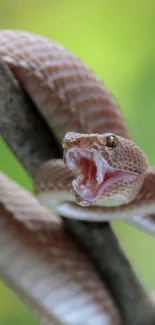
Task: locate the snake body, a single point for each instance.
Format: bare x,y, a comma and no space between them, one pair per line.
72,98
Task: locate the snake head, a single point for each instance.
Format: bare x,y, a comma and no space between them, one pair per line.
108,169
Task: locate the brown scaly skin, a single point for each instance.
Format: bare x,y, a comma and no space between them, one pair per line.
123,131
119,153
129,295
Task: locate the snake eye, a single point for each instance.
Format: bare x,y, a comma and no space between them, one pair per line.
112,141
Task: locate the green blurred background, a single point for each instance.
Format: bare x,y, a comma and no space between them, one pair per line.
116,38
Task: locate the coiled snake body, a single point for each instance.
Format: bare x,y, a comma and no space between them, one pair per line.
108,173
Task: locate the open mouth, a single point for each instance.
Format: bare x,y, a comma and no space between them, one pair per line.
94,174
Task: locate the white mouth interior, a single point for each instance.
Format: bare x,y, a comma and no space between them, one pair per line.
94,174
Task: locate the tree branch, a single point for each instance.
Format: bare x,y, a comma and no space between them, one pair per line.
33,143
114,268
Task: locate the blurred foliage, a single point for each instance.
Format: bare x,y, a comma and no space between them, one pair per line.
116,39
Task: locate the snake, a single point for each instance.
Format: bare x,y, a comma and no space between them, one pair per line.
103,176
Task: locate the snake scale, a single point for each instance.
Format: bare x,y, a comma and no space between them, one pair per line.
107,173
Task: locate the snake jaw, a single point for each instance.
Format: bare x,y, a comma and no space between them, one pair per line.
94,174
